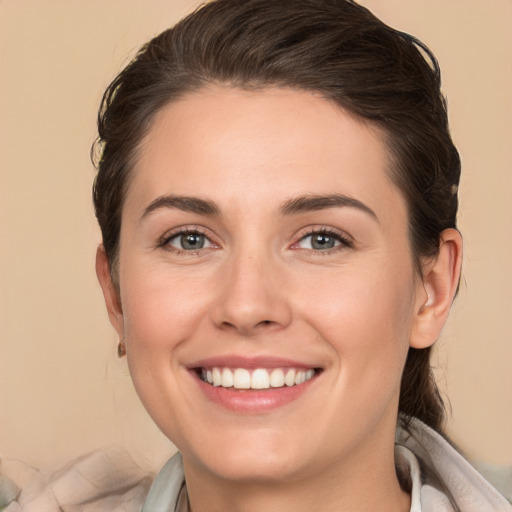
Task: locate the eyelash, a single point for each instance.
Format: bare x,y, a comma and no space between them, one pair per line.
166,239
344,241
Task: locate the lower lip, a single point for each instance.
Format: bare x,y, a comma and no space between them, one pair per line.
252,401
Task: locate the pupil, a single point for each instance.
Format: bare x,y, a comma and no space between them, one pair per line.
323,242
192,241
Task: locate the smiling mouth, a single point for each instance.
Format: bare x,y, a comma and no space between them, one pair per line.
258,378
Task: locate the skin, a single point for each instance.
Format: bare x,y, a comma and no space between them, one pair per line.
258,287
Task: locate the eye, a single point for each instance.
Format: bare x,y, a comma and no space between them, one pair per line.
323,240
188,241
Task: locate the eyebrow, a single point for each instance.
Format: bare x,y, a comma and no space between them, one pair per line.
185,203
314,202
293,206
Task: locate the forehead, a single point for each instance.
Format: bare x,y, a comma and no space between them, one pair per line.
264,146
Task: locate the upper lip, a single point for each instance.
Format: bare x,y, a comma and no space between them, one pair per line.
237,361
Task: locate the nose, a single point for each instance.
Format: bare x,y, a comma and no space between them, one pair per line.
252,297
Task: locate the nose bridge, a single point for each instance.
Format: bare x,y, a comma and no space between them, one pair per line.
251,297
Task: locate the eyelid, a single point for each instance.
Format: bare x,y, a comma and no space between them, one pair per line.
179,236
346,241
163,241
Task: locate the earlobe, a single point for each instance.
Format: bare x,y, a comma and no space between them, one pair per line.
112,301
440,282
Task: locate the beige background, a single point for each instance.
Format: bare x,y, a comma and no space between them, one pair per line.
62,390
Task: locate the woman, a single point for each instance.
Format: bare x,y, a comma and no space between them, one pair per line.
277,194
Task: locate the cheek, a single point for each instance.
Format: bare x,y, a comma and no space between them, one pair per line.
365,315
162,312
162,309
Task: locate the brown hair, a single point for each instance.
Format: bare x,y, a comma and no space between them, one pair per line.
333,47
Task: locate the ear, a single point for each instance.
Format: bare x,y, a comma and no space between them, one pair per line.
112,300
437,291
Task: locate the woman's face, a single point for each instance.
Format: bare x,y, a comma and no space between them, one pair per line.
262,244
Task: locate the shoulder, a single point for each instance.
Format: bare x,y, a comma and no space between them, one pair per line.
166,491
445,478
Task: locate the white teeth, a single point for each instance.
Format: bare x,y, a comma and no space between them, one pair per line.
261,378
227,378
241,379
289,378
277,378
216,376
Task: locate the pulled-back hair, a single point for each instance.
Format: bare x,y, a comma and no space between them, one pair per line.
335,48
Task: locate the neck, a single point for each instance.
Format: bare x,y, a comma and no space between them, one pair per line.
359,484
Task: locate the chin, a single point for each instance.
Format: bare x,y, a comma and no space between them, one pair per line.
255,457
255,468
